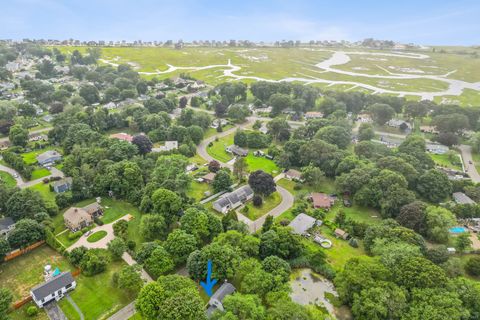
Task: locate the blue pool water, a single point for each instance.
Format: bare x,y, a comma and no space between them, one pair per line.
458,230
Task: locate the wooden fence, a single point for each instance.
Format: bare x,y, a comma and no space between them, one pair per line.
19,252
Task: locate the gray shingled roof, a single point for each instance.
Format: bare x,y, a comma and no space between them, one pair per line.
302,223
47,155
462,198
223,291
6,222
240,194
61,281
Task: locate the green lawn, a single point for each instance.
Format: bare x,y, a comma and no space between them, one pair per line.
96,296
39,173
213,131
7,179
217,150
444,161
63,238
97,236
44,190
197,190
31,157
261,163
326,185
23,273
115,209
269,203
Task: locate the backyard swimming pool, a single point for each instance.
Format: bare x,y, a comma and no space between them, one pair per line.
458,230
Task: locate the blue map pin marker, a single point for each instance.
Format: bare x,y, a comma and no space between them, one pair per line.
208,285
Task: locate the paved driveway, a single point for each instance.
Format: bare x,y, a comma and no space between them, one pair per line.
54,312
102,243
467,158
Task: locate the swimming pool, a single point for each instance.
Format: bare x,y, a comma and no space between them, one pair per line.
458,230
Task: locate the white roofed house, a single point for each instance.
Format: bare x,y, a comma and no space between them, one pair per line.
168,146
302,223
53,289
233,199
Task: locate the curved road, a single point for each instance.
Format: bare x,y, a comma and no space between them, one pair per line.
287,197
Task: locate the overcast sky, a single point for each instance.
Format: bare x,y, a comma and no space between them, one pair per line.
431,22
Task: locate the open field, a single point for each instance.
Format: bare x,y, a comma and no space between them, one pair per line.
217,150
23,273
434,73
260,163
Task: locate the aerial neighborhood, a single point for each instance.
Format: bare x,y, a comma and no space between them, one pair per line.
239,180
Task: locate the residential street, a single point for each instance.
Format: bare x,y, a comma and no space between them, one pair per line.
469,163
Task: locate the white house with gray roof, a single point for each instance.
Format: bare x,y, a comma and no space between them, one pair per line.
462,198
53,289
49,157
6,225
234,199
216,300
302,223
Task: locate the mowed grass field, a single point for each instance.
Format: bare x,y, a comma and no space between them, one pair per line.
280,63
23,273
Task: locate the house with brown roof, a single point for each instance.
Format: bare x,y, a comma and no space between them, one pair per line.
321,200
294,175
122,136
208,178
76,219
339,233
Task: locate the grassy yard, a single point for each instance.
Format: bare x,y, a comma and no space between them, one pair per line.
39,173
22,273
260,163
7,179
197,190
31,157
269,203
213,131
96,296
444,161
326,186
217,150
44,190
21,314
97,236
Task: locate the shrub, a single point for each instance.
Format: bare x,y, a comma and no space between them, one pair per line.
297,186
473,266
74,235
46,180
84,230
353,243
245,209
131,245
257,200
98,221
32,311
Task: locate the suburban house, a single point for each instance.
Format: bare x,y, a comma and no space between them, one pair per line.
53,289
398,123
62,185
233,199
302,223
49,157
78,218
236,150
313,115
6,225
321,200
428,129
294,175
339,233
208,178
462,198
217,122
168,146
436,148
122,136
216,300
364,118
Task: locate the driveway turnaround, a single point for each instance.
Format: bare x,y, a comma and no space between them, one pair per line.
102,243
